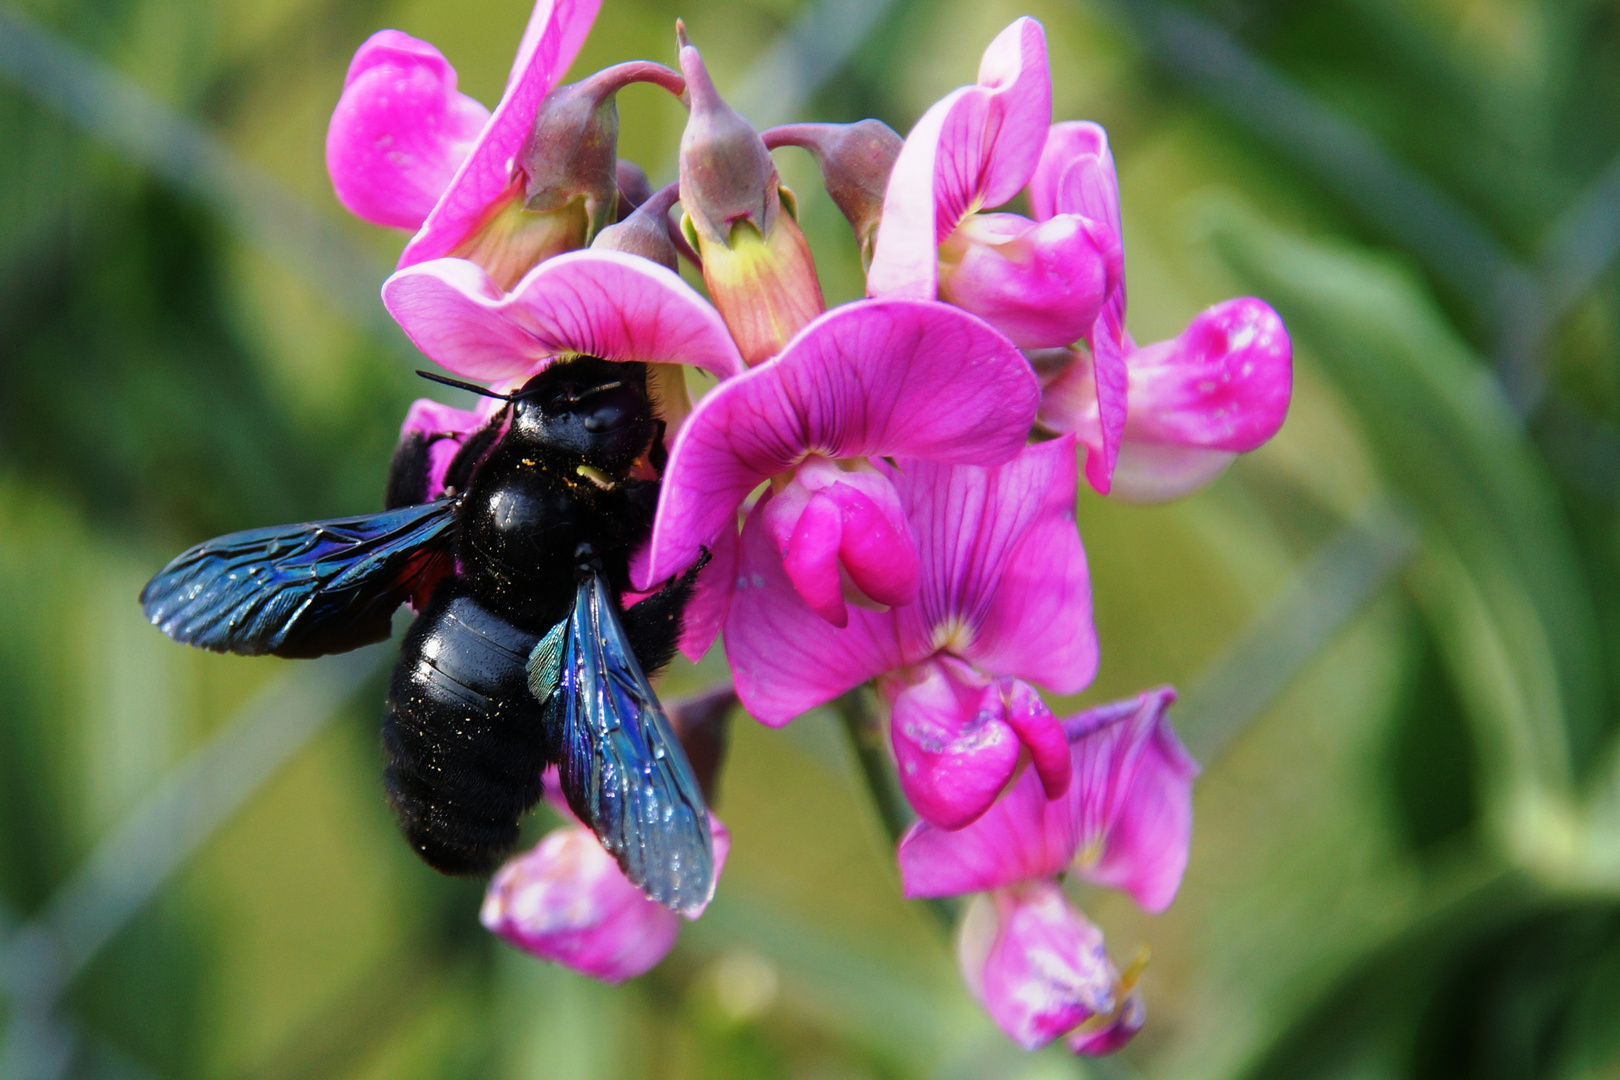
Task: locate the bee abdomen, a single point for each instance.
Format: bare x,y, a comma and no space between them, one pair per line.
464,738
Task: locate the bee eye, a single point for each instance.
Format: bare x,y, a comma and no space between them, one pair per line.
607,416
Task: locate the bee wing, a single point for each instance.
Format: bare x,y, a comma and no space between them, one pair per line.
301,590
622,768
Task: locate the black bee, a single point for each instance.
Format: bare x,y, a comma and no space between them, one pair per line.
521,656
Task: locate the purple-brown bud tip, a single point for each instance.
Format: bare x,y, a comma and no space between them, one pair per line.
634,187
646,232
855,161
727,175
572,149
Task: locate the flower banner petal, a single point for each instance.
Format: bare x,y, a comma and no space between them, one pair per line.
555,32
598,303
400,131
875,378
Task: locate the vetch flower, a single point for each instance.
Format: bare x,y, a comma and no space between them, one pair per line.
1124,822
1003,598
507,189
1039,967
595,303
740,221
1193,403
567,901
871,379
1040,282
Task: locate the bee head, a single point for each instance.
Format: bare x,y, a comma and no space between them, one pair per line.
595,409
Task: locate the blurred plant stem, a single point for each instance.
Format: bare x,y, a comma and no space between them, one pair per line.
858,713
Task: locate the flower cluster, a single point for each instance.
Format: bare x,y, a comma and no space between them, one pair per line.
887,488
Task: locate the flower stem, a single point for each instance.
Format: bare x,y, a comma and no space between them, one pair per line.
860,719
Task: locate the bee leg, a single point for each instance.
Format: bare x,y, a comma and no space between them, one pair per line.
472,452
653,626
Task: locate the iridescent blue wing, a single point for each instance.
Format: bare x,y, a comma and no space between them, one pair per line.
301,590
622,769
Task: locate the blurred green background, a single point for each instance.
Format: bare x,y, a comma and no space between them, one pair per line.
1394,626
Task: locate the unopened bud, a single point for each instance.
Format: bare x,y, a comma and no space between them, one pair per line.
727,175
740,221
646,231
634,187
855,161
572,152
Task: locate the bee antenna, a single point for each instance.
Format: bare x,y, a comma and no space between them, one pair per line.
482,391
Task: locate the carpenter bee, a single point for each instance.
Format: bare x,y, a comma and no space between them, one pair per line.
521,655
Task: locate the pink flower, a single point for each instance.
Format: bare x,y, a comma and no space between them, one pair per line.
1039,968
1125,820
1194,403
403,138
1003,597
1040,282
872,379
567,901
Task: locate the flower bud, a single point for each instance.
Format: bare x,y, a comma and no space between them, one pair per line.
1039,968
565,187
741,221
634,187
646,231
855,161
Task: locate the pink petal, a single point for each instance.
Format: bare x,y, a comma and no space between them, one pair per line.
1036,964
1159,472
706,612
1040,733
1126,816
1076,176
974,148
1005,575
1129,1016
556,30
871,379
1041,284
1224,384
600,303
1088,396
785,658
810,558
567,901
830,522
1144,849
952,744
399,131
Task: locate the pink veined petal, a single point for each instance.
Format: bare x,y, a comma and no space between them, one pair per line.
974,148
1144,850
1024,837
400,130
953,747
874,378
1224,384
600,303
785,658
556,30
1005,583
1040,733
1076,175
1125,820
706,612
1042,284
1110,348
1045,969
